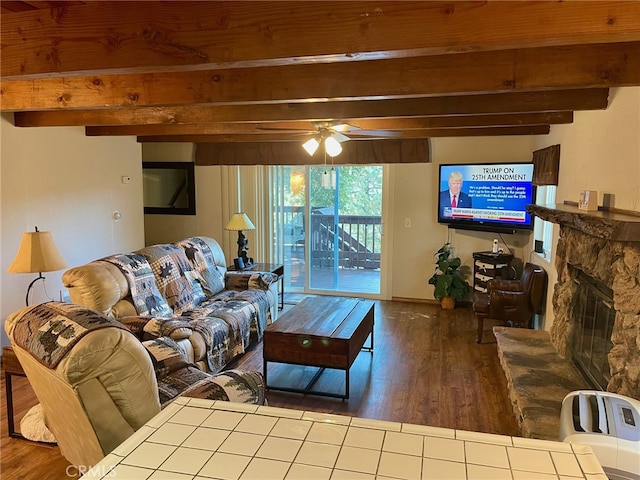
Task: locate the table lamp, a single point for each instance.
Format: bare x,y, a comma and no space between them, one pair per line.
238,222
37,253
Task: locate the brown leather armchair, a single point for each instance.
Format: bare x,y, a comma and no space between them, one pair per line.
512,301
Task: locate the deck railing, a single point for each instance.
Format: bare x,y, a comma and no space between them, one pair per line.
357,237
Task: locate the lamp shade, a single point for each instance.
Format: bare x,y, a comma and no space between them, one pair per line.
239,221
37,253
332,147
311,146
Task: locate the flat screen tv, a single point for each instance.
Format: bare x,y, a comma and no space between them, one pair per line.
489,197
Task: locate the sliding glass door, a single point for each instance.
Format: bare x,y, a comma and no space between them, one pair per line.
332,230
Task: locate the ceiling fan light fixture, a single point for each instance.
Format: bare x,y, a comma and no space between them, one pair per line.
311,146
332,147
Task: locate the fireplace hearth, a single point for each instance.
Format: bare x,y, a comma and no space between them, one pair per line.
603,247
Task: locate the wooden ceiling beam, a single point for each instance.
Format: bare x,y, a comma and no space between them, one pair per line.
161,36
426,133
516,102
583,66
400,124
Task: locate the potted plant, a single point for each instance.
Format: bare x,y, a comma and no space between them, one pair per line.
448,281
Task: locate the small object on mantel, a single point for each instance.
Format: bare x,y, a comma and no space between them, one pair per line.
588,200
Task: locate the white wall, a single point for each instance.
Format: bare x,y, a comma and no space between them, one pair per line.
70,184
415,196
599,151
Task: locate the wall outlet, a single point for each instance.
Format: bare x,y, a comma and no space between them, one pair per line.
407,222
125,179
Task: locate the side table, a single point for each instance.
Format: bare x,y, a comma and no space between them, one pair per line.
11,367
274,268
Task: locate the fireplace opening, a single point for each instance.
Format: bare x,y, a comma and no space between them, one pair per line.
592,334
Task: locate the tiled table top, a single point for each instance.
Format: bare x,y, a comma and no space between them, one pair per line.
195,439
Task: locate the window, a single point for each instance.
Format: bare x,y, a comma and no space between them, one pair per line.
543,230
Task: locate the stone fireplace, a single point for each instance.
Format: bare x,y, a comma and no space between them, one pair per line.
604,247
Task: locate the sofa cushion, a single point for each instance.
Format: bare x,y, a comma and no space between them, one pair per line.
175,281
142,285
166,356
203,262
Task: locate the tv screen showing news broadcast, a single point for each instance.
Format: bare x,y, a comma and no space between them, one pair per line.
490,197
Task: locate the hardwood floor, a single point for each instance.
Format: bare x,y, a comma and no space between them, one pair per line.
425,368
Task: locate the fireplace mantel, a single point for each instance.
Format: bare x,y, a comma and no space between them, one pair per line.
601,224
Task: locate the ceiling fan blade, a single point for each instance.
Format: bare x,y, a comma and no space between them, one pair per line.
343,127
377,133
339,137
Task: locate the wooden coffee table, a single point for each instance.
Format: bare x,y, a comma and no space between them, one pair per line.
324,332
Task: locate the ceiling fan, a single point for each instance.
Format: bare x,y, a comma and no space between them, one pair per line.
333,133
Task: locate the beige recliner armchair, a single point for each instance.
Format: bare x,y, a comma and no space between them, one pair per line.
97,383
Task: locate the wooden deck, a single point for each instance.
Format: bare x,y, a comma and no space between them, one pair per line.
356,280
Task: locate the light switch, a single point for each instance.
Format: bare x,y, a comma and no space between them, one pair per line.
126,179
407,222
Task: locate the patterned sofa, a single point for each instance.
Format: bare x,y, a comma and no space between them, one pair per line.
182,291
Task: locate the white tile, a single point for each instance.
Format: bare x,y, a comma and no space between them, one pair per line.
327,433
434,469
289,428
186,460
326,418
165,414
589,463
518,475
596,476
308,472
564,477
346,475
130,473
263,469
190,416
258,424
364,438
581,448
223,420
444,449
242,443
206,438
427,430
162,475
149,455
103,469
280,412
478,472
530,460
185,400
379,424
318,454
126,447
236,407
485,454
171,434
225,466
480,437
358,459
403,443
566,464
397,465
284,449
541,444
199,402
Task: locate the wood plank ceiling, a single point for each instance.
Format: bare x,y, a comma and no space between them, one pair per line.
264,71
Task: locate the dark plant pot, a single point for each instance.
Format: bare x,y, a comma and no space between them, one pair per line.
448,303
